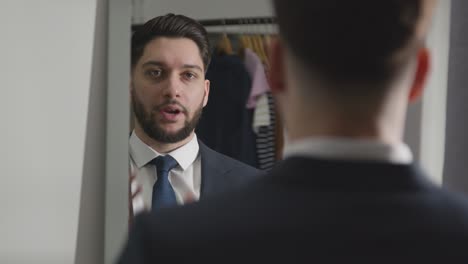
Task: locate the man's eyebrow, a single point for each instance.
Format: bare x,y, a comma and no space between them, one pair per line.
153,63
192,66
162,64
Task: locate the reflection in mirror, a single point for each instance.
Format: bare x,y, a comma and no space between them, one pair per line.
203,117
254,134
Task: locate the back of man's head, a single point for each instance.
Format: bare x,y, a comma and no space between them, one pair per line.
358,41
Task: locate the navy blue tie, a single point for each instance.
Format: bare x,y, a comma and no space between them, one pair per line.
163,193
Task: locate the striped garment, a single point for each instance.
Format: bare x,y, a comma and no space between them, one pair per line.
265,140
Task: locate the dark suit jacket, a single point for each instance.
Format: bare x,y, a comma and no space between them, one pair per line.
314,210
220,173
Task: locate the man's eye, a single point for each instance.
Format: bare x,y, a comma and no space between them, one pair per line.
154,73
189,75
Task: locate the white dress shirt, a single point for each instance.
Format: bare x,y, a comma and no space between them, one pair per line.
185,179
349,149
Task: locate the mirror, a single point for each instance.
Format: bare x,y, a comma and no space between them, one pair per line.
227,123
226,100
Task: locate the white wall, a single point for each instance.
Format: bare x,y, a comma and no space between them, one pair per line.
46,51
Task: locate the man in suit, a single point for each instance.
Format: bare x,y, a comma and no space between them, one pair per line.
348,190
170,166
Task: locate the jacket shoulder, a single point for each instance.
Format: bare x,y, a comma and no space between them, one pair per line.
225,161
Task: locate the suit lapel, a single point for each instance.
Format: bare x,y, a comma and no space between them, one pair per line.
212,170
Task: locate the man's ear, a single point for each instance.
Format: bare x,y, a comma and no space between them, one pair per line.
277,72
207,92
130,90
422,71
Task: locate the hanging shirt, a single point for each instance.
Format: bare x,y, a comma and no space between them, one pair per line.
266,136
260,85
261,113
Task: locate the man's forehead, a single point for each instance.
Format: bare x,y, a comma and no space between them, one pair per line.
172,51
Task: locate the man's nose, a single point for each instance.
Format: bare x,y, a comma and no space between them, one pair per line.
173,87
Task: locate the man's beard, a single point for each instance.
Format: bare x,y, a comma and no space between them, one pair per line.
151,127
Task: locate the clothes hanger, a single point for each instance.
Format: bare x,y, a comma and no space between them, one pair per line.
260,46
253,38
248,38
244,40
269,36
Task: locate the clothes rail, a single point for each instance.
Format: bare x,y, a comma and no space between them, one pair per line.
229,21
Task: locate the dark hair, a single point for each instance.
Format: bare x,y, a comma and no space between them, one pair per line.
170,25
362,41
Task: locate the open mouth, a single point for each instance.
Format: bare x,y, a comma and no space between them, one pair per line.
171,113
172,110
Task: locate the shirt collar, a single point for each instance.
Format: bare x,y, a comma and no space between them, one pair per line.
350,149
142,153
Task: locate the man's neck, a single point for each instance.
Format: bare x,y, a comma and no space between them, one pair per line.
345,128
161,147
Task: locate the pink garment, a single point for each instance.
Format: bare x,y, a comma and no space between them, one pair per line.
260,86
